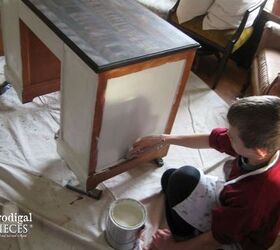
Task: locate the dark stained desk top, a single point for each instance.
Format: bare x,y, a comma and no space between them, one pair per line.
107,34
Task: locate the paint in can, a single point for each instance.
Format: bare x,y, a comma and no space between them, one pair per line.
126,218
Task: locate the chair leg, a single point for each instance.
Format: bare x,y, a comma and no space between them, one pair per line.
217,55
245,87
195,63
220,70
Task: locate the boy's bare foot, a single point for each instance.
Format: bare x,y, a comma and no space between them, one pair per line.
162,240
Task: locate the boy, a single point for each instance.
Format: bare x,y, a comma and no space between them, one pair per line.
244,211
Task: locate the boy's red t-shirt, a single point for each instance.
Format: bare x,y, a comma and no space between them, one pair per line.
250,210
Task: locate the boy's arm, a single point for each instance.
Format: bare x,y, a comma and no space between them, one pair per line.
190,141
157,141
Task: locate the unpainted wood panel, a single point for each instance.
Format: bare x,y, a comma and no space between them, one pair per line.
43,65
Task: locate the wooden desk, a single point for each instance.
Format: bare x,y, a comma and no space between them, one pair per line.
122,72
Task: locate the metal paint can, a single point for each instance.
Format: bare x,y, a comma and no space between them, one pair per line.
126,218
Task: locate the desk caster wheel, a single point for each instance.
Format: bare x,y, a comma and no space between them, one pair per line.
159,162
4,87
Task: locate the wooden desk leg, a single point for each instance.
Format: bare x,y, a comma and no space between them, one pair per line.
94,193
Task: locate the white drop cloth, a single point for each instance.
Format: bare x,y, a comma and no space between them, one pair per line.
32,175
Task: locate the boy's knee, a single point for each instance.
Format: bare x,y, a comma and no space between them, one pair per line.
186,175
181,183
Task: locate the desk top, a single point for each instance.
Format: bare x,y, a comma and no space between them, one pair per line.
107,34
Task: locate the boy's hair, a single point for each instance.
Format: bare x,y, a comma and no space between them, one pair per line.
257,118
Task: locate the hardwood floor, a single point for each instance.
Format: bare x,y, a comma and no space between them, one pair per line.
231,82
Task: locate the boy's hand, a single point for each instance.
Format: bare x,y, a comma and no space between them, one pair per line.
145,144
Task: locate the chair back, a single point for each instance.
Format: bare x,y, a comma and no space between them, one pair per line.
258,7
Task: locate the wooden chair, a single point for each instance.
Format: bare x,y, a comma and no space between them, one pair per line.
222,43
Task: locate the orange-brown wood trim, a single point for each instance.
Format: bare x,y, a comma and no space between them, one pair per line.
145,65
97,121
31,91
97,178
183,82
